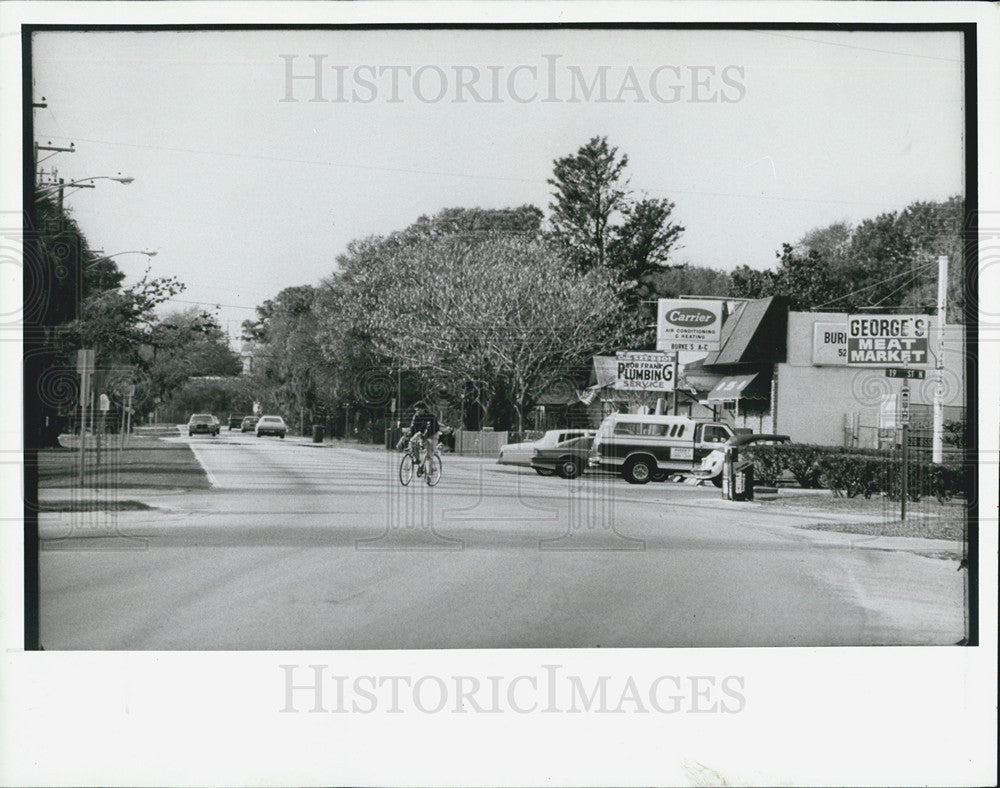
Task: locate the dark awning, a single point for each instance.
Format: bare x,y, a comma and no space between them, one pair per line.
736,387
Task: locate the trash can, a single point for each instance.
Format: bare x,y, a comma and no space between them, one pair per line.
737,477
317,433
743,481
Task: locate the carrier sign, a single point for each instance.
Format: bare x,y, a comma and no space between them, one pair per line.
887,340
688,324
644,371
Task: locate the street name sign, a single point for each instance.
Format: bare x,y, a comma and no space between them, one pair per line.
688,324
910,374
887,340
644,371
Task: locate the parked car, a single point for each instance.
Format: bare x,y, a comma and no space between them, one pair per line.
203,424
645,448
567,459
522,453
271,425
249,423
235,421
711,466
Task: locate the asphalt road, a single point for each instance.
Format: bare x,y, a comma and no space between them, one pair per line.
299,546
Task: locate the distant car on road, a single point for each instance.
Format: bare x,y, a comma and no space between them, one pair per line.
711,466
522,453
271,425
567,459
203,424
235,420
249,423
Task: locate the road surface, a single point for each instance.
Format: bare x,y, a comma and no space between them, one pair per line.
301,546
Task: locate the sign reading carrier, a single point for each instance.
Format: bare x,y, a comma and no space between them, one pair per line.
887,340
644,371
688,324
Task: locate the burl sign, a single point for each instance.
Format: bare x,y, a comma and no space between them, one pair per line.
688,324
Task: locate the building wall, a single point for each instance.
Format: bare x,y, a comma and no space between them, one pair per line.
814,404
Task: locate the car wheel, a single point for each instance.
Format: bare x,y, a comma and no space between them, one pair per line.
544,471
569,467
717,480
190,434
282,436
638,471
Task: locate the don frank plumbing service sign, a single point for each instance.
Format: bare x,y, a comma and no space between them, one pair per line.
688,324
887,340
644,371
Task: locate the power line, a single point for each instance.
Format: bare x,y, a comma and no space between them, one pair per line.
854,46
874,284
410,171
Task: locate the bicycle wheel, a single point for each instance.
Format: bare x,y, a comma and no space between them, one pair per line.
432,474
406,469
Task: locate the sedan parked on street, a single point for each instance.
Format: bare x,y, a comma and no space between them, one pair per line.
249,423
203,424
711,466
522,453
271,425
234,421
567,459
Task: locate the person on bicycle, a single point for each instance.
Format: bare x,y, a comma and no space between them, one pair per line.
424,427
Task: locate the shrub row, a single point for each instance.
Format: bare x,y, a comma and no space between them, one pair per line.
854,472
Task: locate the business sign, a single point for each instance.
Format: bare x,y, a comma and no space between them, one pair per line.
829,344
688,324
644,371
887,340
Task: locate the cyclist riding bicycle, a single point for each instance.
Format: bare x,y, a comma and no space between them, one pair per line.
423,429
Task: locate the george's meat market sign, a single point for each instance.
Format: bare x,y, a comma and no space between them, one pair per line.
887,340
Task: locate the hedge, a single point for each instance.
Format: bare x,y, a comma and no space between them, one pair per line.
853,472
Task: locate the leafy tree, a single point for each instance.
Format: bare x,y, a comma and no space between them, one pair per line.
502,315
74,299
747,282
187,344
642,244
887,262
523,219
588,195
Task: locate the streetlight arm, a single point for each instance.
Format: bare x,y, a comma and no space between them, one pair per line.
148,253
83,183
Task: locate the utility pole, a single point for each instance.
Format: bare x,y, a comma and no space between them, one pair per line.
937,446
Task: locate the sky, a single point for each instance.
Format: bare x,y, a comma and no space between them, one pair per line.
244,185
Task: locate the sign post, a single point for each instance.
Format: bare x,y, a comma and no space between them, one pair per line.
904,418
687,324
84,368
104,405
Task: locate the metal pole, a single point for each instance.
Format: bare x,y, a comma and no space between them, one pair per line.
84,394
937,446
676,356
905,481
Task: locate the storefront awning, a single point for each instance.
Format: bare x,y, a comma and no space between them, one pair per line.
736,387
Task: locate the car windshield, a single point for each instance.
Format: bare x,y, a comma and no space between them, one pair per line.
270,418
201,417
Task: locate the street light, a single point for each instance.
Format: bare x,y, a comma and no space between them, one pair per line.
45,189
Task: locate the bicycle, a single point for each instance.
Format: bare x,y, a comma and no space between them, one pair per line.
429,467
